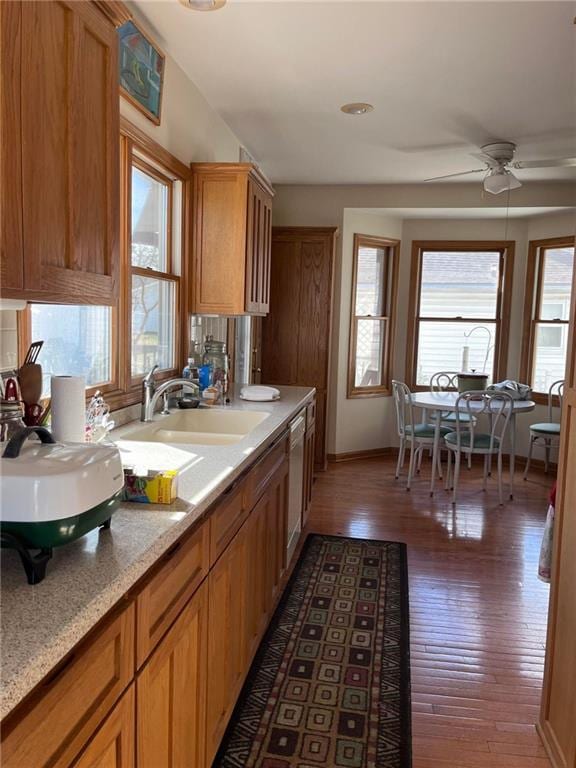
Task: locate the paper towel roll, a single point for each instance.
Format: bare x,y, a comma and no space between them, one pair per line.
68,408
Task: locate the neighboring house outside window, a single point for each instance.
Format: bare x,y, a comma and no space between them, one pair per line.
374,287
459,308
547,312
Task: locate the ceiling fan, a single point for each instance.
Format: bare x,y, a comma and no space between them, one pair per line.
498,159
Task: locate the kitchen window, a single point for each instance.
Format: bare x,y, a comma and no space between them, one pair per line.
77,342
155,207
547,312
374,282
460,305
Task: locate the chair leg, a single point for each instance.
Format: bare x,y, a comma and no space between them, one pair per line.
401,453
470,460
448,469
529,458
546,455
411,465
456,475
439,459
500,494
485,475
420,455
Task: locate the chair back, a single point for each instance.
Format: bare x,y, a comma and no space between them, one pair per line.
497,406
444,381
404,407
556,390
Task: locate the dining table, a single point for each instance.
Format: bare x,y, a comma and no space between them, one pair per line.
439,402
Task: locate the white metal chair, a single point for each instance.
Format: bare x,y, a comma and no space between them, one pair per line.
547,431
468,440
447,381
419,436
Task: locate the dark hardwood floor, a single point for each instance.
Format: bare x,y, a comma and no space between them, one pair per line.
477,608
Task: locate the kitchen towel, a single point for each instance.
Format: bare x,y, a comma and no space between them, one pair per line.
68,408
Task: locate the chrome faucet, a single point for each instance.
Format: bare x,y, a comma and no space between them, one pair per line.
151,392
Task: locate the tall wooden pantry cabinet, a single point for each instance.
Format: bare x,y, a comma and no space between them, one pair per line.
296,333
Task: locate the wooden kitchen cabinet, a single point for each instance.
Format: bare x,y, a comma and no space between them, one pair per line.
60,177
231,240
296,334
243,588
227,644
171,693
113,744
166,592
74,700
309,456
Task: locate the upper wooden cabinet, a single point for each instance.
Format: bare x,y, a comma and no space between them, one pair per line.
60,153
231,242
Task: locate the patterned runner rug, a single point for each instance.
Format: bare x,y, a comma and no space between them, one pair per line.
330,684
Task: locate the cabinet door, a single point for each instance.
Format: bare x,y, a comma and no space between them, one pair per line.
227,646
257,590
258,248
309,449
113,744
171,693
277,531
70,153
280,329
11,253
219,241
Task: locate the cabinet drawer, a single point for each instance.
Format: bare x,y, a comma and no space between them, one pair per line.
178,575
226,520
311,414
263,471
74,700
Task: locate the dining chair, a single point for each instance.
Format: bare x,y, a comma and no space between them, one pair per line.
447,381
547,431
467,440
418,436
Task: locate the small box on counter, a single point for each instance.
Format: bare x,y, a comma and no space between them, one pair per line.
150,486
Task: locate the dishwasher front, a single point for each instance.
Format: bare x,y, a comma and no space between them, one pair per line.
295,490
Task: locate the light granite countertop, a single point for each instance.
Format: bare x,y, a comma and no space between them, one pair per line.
40,624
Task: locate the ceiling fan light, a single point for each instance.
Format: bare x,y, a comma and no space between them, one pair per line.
500,180
203,5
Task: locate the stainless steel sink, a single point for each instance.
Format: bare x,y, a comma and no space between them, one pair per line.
200,427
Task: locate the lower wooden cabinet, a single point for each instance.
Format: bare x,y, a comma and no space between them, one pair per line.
243,587
309,450
73,702
227,587
168,704
171,693
113,744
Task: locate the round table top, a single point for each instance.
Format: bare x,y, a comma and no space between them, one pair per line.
446,401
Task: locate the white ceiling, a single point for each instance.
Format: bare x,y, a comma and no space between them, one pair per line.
444,78
465,213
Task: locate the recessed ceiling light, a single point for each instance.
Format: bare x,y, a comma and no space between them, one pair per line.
357,108
203,5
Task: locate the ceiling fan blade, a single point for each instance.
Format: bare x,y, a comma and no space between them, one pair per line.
484,158
560,162
452,175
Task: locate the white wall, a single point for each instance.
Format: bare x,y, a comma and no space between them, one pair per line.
190,129
363,423
355,425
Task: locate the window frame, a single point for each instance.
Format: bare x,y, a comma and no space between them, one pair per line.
124,390
506,249
389,295
532,306
135,154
